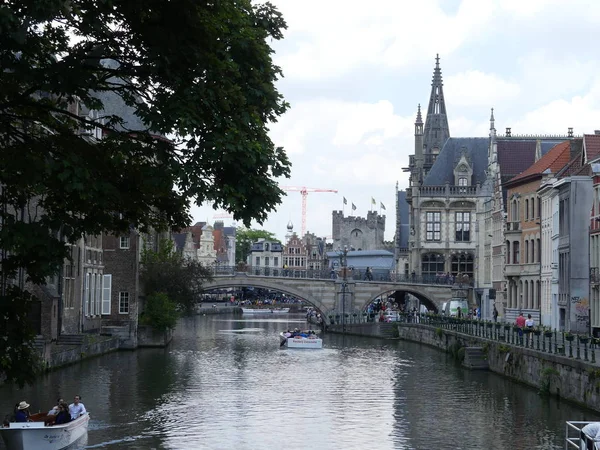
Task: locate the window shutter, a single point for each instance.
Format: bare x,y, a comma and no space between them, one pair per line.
86,293
106,287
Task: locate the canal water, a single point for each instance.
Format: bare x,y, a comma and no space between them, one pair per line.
224,383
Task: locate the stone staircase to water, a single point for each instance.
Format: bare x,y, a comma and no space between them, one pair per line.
70,339
475,359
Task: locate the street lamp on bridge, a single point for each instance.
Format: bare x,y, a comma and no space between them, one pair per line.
344,264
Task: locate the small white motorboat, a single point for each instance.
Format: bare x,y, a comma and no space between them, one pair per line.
37,435
301,339
265,310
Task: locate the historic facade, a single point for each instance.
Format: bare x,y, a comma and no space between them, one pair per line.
358,233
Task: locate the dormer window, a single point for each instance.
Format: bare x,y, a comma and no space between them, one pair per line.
462,181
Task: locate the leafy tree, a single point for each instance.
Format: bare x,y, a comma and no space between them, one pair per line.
245,237
198,72
166,271
160,312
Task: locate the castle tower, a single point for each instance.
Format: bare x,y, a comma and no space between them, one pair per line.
436,124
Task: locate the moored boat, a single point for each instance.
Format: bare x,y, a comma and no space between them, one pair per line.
37,435
300,339
265,310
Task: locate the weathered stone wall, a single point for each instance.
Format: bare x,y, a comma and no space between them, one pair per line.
93,346
572,379
358,232
148,337
385,330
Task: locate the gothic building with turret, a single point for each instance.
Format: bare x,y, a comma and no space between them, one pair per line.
457,204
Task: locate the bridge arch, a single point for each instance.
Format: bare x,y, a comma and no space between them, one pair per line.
430,303
265,284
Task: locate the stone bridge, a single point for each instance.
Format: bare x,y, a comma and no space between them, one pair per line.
335,295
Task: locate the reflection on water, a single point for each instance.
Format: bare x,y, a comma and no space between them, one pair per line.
225,383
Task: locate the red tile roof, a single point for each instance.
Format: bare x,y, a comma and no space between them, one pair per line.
556,158
592,146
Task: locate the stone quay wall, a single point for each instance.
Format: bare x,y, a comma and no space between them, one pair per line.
62,355
569,378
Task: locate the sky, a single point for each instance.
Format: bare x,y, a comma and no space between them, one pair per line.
354,73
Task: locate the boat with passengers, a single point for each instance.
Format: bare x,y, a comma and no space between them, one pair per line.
39,434
300,339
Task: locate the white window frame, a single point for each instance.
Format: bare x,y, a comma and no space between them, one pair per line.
121,295
124,242
92,295
433,226
106,291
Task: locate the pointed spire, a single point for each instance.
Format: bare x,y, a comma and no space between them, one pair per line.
419,118
437,130
492,125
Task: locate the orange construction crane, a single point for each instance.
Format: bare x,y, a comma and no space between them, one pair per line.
304,192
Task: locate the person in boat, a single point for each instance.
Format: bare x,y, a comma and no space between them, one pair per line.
63,416
56,408
22,413
76,408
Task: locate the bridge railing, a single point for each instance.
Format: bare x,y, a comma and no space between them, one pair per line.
329,274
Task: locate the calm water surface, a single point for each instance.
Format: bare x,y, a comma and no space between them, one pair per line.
224,384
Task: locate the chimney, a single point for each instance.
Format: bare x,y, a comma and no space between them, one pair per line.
507,131
570,132
596,131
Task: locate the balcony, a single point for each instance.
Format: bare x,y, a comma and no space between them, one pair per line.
512,270
513,227
448,191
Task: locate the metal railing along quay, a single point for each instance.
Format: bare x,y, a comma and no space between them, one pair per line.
538,338
358,274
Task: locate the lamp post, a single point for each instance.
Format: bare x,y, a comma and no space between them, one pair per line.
344,264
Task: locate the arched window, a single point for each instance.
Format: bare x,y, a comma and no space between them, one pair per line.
463,264
462,181
432,264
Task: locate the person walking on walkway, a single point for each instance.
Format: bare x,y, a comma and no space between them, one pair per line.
520,322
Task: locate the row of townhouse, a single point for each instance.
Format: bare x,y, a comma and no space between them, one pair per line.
301,257
518,216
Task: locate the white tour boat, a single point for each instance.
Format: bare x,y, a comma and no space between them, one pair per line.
265,310
302,339
39,436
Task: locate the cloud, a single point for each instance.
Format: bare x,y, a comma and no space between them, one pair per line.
331,38
581,112
476,88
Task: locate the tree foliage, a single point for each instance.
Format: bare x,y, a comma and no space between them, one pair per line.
198,72
166,271
245,237
160,312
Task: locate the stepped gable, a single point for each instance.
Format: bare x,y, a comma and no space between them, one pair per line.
475,149
554,160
